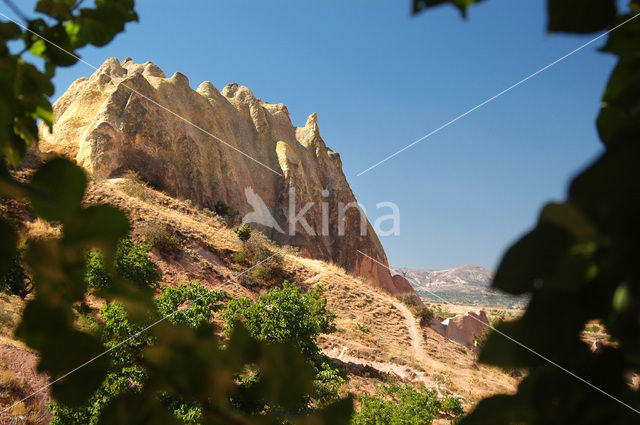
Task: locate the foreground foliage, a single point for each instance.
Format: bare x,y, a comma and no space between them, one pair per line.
579,263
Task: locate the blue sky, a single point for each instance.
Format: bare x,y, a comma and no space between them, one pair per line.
380,78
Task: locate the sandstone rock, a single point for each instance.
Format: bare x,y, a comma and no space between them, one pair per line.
438,326
401,283
463,327
209,146
597,346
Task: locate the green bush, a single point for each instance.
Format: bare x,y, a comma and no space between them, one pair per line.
201,301
131,262
284,315
287,316
327,383
396,405
96,273
243,232
252,253
452,405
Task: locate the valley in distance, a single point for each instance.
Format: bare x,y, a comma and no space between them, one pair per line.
467,285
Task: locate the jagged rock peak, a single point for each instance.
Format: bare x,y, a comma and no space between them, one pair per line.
239,149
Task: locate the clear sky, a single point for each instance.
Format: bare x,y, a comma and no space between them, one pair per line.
379,79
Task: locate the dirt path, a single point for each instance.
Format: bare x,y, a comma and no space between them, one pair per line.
414,331
417,342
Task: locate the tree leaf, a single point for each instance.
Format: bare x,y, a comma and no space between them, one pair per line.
98,226
531,258
337,413
461,5
580,16
8,241
57,189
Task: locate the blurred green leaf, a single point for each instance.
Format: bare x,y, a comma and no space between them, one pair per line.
580,16
499,409
534,256
461,5
59,187
8,241
58,9
42,322
285,376
337,413
97,226
137,409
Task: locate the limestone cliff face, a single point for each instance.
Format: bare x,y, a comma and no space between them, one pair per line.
210,147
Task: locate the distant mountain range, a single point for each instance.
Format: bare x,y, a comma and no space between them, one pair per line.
465,285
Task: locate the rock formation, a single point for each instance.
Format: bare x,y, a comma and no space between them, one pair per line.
217,148
464,327
402,284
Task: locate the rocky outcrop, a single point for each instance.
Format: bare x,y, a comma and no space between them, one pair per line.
464,327
218,148
402,284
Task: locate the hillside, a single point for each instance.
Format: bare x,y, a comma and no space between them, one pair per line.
394,347
465,285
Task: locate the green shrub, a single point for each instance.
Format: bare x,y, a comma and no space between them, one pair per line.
480,340
96,273
243,232
444,313
451,405
159,237
188,413
327,383
131,262
404,405
408,299
252,253
201,301
284,315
